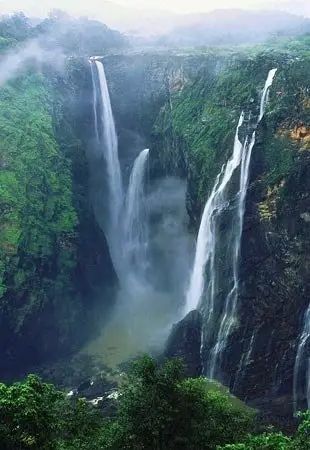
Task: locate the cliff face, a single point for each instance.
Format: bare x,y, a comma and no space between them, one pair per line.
275,282
56,276
190,107
55,267
143,85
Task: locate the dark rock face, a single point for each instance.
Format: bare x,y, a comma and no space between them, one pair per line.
275,291
185,342
258,361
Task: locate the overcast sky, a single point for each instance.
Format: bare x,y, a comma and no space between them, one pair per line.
180,6
188,6
154,16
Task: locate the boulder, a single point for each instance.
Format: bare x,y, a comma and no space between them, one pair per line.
185,342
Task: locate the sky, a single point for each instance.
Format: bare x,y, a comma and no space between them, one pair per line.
154,16
40,7
190,6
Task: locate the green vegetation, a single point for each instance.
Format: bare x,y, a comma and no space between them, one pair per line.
60,31
157,408
276,440
46,216
199,120
35,197
160,409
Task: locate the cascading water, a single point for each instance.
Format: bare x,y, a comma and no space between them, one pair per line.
206,248
107,138
140,232
135,225
126,229
244,362
301,386
229,314
95,101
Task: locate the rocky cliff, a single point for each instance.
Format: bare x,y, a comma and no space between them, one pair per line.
55,267
187,108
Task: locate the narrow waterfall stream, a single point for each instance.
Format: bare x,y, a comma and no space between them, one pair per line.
204,268
135,221
107,139
301,387
229,318
205,246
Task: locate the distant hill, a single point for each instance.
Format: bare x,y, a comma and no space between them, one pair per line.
219,27
73,36
235,26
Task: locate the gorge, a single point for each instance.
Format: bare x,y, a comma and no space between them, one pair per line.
224,206
152,196
246,340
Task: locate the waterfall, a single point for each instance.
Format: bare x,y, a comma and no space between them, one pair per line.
107,139
127,228
135,229
208,238
95,101
265,94
244,362
301,383
230,308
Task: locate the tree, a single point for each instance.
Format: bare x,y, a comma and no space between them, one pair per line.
35,415
277,441
28,414
266,441
160,409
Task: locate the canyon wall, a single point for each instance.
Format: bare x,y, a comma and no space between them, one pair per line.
186,108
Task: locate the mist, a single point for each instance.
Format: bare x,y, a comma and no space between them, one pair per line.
146,306
14,62
156,19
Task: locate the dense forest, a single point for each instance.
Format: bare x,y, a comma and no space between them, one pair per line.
59,278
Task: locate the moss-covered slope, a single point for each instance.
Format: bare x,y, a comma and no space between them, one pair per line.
54,263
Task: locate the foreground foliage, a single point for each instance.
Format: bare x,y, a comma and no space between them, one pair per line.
157,409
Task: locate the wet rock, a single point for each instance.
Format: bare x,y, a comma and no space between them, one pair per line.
96,387
185,341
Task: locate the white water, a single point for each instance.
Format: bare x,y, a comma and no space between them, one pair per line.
230,308
126,230
206,247
244,362
147,300
301,386
106,135
94,100
135,223
265,94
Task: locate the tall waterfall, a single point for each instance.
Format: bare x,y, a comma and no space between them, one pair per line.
206,240
302,365
107,138
95,101
206,248
135,225
229,314
127,224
